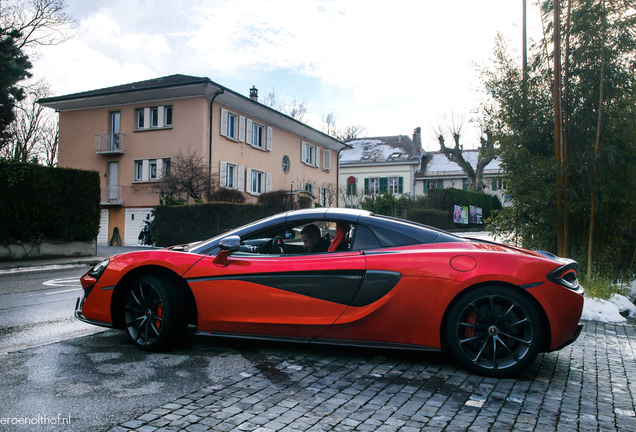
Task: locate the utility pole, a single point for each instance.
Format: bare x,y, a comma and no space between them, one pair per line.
557,125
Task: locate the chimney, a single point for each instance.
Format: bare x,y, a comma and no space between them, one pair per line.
254,93
417,141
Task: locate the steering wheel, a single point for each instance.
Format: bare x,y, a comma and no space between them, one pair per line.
278,244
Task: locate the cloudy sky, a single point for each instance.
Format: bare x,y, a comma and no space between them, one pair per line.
390,66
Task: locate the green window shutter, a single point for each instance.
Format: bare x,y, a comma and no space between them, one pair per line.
440,184
465,184
401,185
366,186
384,184
494,185
425,186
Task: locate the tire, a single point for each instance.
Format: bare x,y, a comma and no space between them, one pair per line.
154,311
494,331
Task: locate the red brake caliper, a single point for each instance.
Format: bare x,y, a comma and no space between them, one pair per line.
160,315
471,318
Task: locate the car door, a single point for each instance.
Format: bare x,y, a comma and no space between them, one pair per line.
276,296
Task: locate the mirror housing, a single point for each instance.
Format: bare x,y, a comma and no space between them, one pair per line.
230,244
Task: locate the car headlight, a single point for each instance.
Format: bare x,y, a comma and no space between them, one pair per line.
98,269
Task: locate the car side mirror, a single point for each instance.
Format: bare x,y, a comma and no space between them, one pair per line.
230,244
227,245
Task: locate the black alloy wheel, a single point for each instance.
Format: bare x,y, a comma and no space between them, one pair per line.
494,331
153,309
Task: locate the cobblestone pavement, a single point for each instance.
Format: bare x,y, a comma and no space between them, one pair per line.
590,385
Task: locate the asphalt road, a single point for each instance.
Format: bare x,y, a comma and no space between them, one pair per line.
53,365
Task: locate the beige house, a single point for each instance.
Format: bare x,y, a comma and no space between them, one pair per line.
130,133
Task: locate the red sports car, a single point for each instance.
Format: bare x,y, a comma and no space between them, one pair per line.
363,279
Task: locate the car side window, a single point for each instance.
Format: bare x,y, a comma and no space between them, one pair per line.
364,238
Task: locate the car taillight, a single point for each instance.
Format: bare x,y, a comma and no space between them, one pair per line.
565,276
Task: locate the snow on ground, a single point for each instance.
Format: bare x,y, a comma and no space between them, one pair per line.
608,311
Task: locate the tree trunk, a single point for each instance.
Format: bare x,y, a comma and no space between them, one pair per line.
596,147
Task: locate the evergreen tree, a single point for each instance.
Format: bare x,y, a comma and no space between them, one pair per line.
14,67
525,130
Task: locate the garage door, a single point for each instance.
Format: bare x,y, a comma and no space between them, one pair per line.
102,236
134,224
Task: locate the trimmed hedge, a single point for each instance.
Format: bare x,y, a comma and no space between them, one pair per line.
446,199
175,225
41,203
432,217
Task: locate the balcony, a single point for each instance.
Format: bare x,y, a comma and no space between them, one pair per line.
109,144
112,195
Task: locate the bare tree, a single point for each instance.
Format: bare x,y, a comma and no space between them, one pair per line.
295,109
33,135
329,124
188,175
40,22
342,134
455,154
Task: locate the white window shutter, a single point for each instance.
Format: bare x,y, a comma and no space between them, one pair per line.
268,182
223,174
241,178
146,118
321,199
313,189
326,162
303,153
317,151
241,132
248,132
303,186
223,122
249,180
270,131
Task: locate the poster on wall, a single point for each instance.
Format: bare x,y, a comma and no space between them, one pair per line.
465,215
472,217
478,216
457,214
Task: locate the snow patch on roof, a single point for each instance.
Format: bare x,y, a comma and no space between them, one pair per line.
375,149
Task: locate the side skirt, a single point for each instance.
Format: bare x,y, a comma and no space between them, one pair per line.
333,342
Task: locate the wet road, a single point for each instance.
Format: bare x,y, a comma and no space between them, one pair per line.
55,367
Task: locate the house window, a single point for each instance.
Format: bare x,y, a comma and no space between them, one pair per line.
257,182
351,189
154,117
229,175
166,168
139,170
310,155
374,185
326,160
257,135
167,116
140,118
152,169
394,185
231,125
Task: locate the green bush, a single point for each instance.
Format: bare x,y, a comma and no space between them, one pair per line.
41,203
174,225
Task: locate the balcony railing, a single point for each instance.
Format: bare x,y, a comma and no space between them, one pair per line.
109,144
112,195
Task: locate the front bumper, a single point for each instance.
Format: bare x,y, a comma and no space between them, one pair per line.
576,335
80,316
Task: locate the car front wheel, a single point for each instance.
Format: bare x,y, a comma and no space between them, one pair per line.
494,331
153,311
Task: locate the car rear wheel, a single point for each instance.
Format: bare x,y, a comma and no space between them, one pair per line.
153,310
494,331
